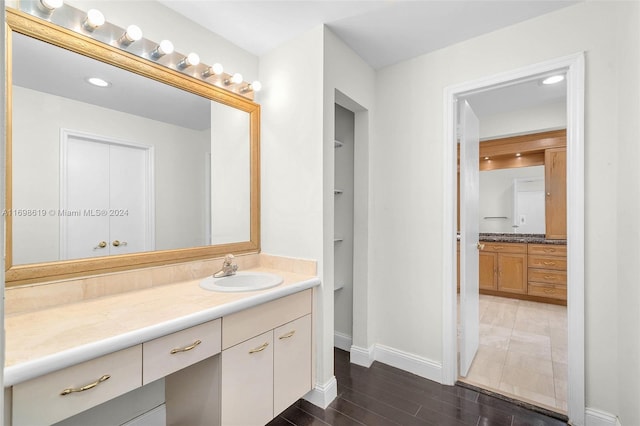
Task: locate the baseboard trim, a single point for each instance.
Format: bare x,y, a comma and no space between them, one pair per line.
406,361
342,341
362,356
417,365
322,395
594,417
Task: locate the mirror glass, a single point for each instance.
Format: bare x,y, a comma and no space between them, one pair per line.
512,200
136,166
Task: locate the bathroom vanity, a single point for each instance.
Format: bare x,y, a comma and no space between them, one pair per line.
215,353
524,266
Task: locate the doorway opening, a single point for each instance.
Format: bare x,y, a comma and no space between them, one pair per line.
573,68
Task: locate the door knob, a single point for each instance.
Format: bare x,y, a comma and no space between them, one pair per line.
480,246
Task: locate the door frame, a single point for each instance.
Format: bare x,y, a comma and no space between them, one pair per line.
65,134
573,65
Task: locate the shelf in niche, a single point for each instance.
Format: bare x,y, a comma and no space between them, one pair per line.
338,144
337,191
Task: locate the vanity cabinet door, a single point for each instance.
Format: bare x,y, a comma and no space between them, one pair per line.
488,278
292,363
247,382
512,273
53,397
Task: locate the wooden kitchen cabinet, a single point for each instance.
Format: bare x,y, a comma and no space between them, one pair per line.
512,272
555,170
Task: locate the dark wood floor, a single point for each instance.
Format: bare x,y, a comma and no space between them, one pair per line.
383,395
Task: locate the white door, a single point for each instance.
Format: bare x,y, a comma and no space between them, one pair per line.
105,197
469,233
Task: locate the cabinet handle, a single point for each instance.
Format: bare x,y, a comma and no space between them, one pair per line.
480,246
549,250
286,336
549,277
259,348
117,243
87,387
548,290
498,247
101,245
549,263
186,348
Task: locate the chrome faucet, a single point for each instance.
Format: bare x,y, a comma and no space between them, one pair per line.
228,267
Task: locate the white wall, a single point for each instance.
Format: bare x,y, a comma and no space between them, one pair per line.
292,170
539,118
408,208
179,170
496,196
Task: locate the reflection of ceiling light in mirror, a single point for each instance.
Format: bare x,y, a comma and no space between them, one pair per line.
486,158
553,79
94,19
191,59
49,6
164,48
518,154
98,82
132,34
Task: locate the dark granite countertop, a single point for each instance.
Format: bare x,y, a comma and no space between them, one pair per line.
518,238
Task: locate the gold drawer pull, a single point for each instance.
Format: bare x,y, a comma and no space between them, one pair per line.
259,348
289,334
549,290
549,263
549,250
87,387
549,277
185,349
498,247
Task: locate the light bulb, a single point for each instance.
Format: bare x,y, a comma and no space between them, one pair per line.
191,59
164,48
256,86
215,69
236,78
94,19
133,33
49,6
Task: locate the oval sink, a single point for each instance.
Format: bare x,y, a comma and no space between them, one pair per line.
242,281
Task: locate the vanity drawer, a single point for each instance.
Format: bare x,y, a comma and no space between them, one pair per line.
547,262
548,249
40,401
504,247
168,354
547,276
243,325
548,290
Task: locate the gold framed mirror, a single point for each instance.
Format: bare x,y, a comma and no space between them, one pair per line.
232,167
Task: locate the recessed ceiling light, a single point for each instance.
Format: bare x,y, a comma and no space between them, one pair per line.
553,79
486,158
98,82
518,154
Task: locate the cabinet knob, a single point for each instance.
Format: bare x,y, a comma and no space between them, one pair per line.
101,244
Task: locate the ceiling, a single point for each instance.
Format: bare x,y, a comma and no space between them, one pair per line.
382,32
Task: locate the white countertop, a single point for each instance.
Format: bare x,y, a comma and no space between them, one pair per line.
43,341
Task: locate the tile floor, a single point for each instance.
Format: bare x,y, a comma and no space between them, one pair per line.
523,351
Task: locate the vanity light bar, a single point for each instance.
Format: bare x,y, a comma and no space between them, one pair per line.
93,24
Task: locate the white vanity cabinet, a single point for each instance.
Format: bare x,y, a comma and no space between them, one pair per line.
266,362
64,393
